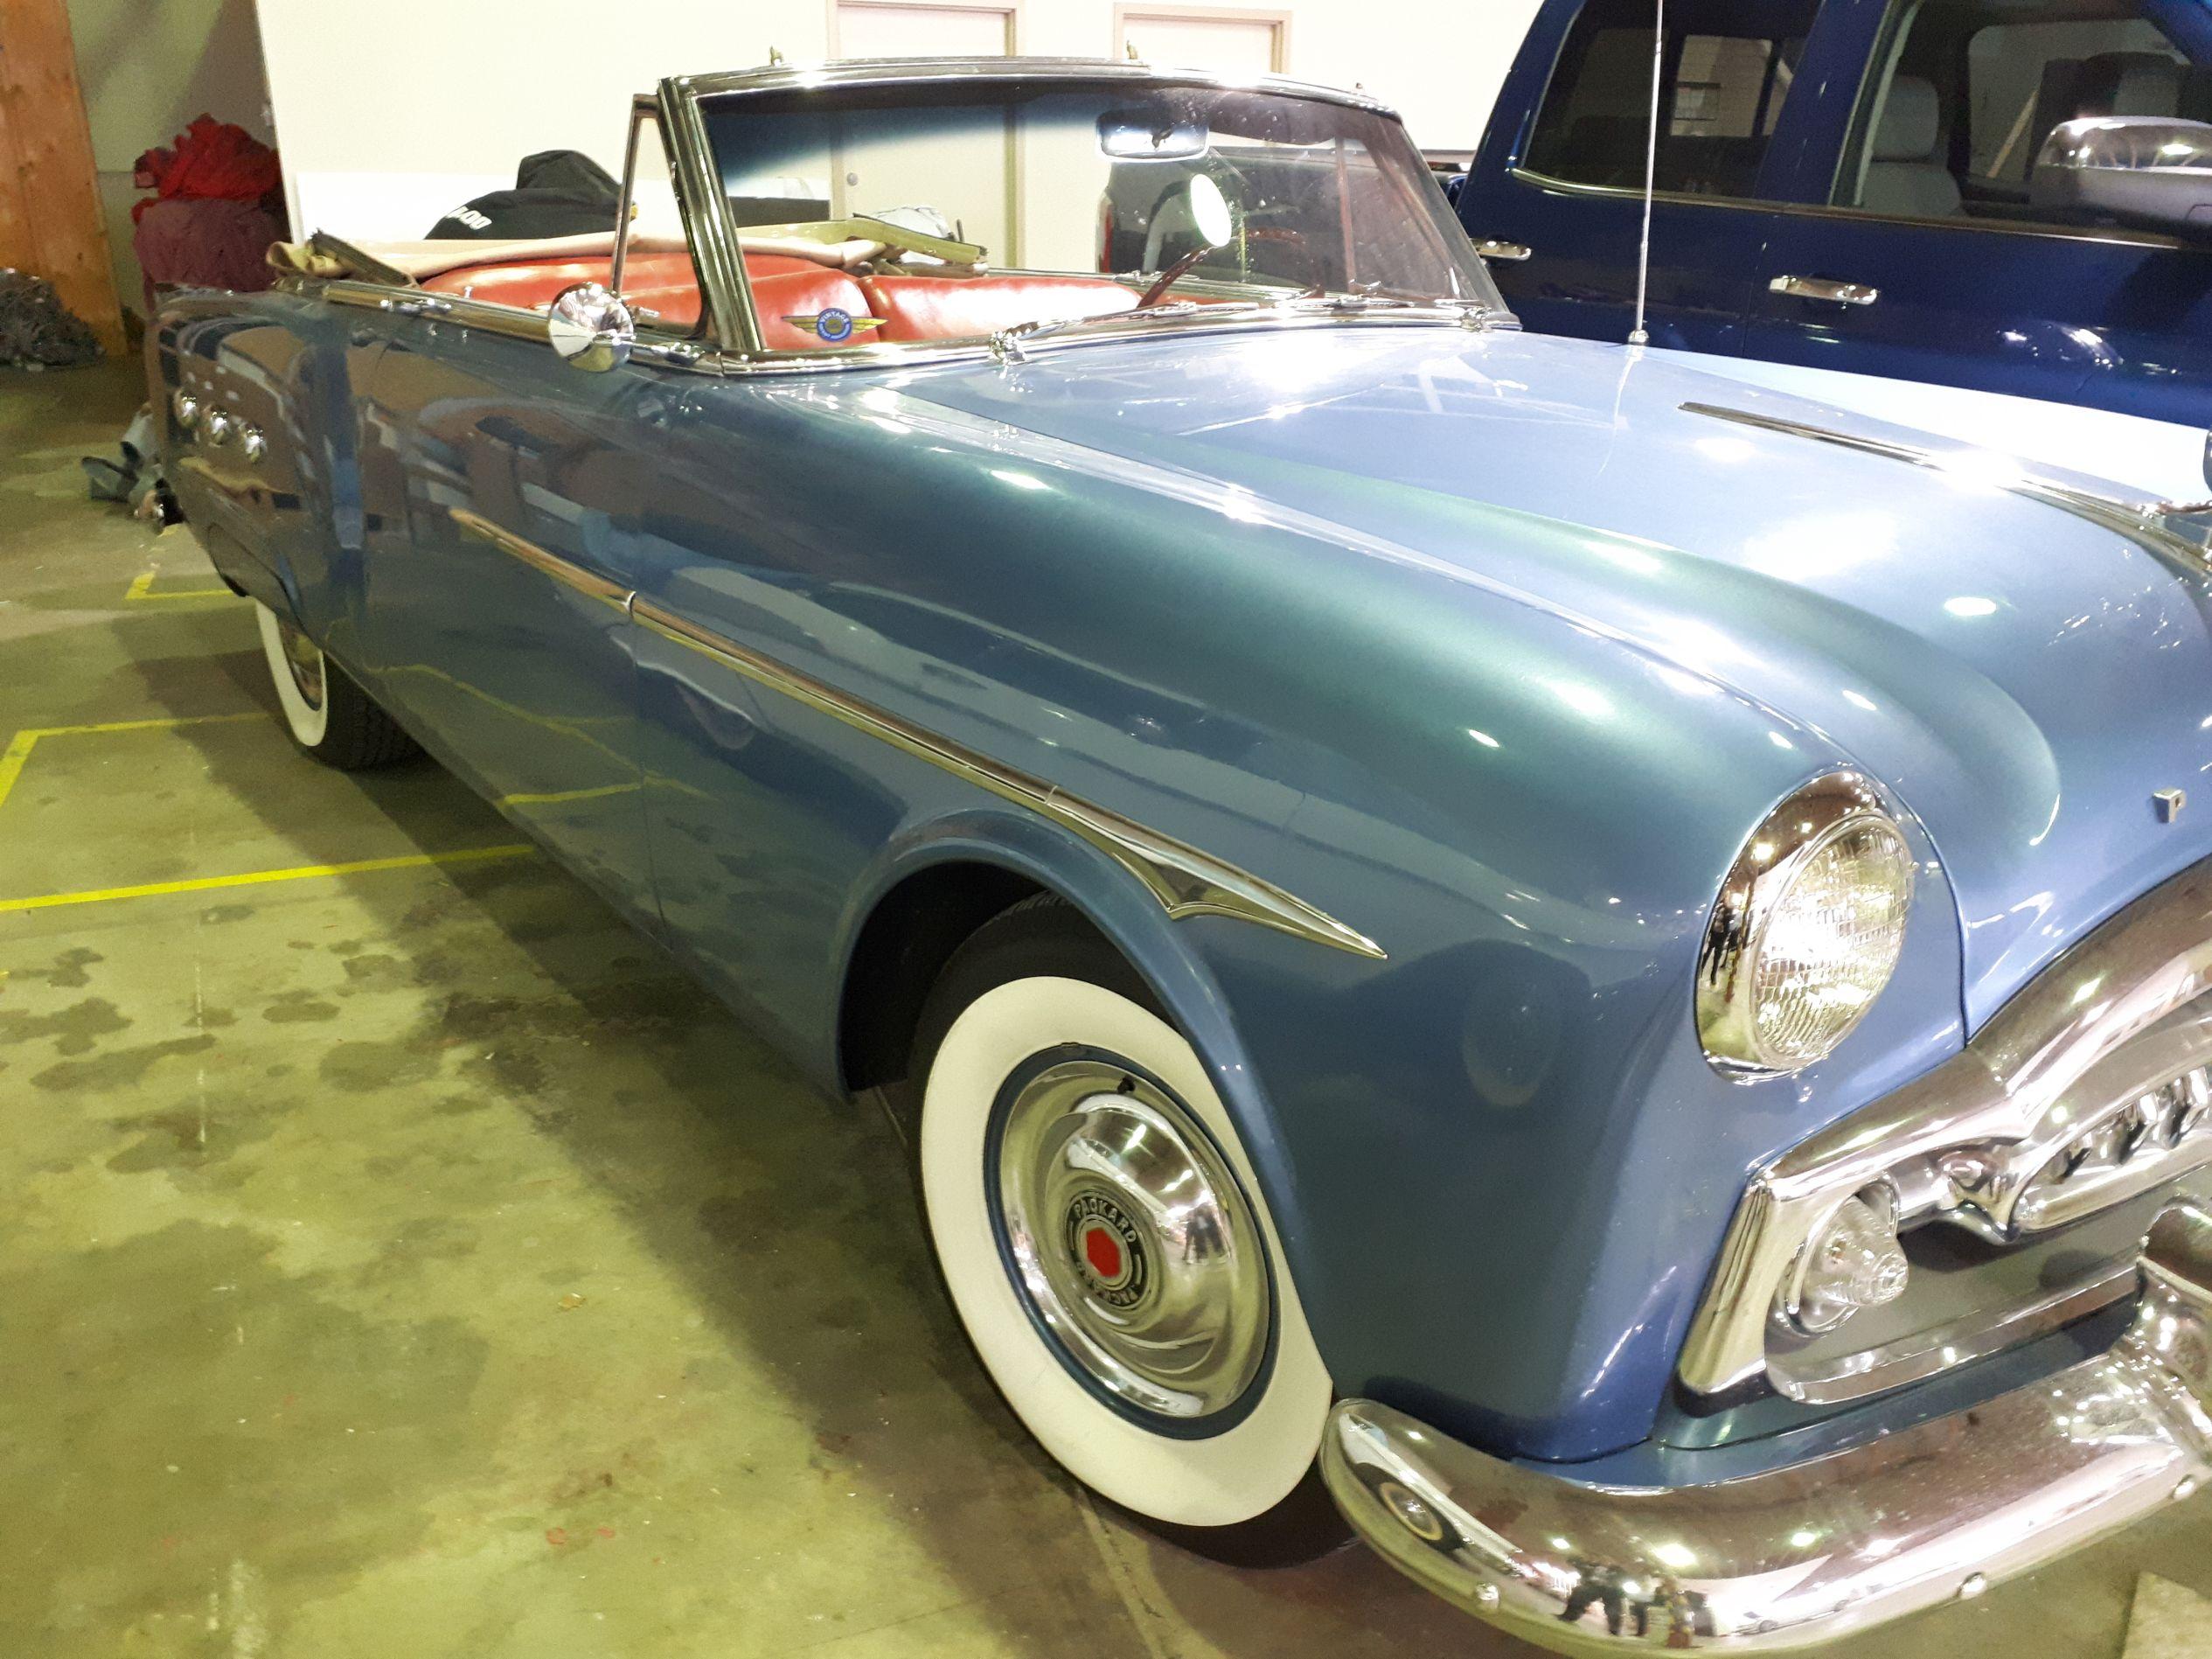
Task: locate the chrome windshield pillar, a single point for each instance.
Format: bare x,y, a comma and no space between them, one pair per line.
1803,1554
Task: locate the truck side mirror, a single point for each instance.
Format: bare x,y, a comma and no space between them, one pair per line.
2141,169
590,327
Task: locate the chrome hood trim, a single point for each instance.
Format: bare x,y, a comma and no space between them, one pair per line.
1801,1555
2145,523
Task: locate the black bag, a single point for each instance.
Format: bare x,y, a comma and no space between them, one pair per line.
558,192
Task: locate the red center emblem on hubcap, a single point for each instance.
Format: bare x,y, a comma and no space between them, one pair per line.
1104,1251
1106,1248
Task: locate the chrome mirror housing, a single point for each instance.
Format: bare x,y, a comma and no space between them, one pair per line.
2141,169
590,327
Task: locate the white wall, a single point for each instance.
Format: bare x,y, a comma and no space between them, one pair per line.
453,104
1438,64
146,69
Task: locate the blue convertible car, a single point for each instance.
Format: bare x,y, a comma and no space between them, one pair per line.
1609,968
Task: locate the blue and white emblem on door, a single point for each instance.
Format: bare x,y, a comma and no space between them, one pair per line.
834,324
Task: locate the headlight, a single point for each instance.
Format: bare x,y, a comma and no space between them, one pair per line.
1806,930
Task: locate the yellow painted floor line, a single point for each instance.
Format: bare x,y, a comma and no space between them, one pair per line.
142,587
562,797
255,878
19,746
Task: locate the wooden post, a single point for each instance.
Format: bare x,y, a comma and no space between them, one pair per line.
51,219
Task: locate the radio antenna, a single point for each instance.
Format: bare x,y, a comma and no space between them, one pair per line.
1639,336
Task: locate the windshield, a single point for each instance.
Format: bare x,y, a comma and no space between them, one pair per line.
951,209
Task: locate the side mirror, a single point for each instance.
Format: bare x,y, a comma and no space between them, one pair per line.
2141,169
590,327
1210,212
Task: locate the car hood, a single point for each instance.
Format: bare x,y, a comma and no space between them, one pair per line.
2022,677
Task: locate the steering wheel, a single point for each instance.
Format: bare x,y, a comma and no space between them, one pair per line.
1280,235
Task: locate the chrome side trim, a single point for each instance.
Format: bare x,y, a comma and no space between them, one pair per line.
2141,522
1806,1554
587,582
1186,880
1963,1142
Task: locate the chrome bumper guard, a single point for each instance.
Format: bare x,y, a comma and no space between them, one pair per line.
1802,1555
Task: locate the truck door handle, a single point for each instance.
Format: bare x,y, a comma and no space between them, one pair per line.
1821,288
1510,253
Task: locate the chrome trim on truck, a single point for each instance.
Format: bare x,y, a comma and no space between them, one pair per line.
2076,1052
1803,1555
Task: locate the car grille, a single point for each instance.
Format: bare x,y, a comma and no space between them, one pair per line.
2149,1141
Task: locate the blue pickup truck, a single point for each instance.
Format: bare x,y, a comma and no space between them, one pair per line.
1855,185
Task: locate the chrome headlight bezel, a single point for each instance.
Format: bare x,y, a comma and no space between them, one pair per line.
1771,859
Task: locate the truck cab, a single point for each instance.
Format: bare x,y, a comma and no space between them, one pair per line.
1847,184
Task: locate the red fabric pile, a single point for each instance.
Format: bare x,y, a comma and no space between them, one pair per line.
215,212
211,160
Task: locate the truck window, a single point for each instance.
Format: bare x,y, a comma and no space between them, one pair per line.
1727,72
1964,95
2023,78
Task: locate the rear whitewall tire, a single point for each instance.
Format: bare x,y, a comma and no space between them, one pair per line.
1220,1480
309,722
328,716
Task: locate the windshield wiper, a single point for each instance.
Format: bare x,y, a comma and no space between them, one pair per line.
1007,342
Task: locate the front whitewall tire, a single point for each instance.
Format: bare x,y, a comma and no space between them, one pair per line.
1220,1480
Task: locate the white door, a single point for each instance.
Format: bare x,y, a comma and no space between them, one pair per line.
1230,43
901,30
969,184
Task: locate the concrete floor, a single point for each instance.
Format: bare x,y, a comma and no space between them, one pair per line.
408,1262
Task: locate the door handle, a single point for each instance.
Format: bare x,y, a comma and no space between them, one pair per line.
1821,288
1510,253
420,305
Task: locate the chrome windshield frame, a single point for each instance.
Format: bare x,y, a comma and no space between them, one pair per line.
717,249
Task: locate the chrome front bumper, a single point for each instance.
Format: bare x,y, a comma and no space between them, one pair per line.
1802,1555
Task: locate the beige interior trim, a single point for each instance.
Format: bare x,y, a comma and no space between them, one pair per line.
425,259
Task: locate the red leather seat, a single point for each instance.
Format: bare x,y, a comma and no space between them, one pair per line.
951,308
662,283
910,308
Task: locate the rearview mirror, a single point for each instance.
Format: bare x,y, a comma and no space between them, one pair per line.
1142,134
2141,169
590,327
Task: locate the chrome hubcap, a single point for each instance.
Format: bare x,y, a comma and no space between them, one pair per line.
1132,1242
305,661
